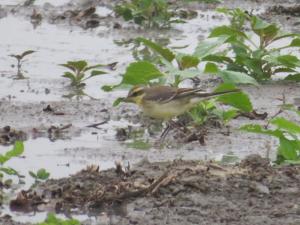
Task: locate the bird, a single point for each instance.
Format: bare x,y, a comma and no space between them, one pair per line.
166,102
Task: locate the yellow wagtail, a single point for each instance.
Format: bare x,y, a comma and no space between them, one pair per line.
164,102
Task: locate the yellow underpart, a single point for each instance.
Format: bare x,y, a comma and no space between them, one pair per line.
167,110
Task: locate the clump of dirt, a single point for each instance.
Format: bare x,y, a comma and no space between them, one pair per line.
9,135
178,192
285,10
86,18
7,220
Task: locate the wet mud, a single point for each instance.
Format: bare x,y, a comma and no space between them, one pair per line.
65,135
177,192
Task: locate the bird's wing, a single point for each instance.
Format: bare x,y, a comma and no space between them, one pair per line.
162,94
165,94
199,93
184,92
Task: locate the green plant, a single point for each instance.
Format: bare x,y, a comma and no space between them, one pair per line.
149,13
40,175
175,68
260,59
78,72
20,61
286,131
53,220
17,150
140,52
207,110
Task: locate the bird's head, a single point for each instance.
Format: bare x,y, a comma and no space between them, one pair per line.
135,95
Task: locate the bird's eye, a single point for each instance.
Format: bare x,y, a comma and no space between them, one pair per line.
137,93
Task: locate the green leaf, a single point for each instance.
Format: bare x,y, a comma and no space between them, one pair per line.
118,101
177,21
289,60
188,61
3,159
26,53
120,86
264,29
141,73
69,67
94,67
295,42
217,58
127,14
234,77
254,65
107,88
69,75
9,171
287,125
211,68
53,220
229,114
288,148
285,35
238,100
79,65
42,174
226,31
293,77
258,129
32,174
284,70
97,72
208,46
164,52
138,19
259,24
16,151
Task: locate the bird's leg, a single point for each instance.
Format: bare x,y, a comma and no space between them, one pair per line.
159,143
165,132
170,125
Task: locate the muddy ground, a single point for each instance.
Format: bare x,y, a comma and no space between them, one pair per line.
178,192
65,135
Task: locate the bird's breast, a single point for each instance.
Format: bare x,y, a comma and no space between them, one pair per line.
165,110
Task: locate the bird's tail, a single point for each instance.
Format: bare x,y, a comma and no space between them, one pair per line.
201,96
211,94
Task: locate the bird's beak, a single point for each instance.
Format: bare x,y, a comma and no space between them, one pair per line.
128,100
